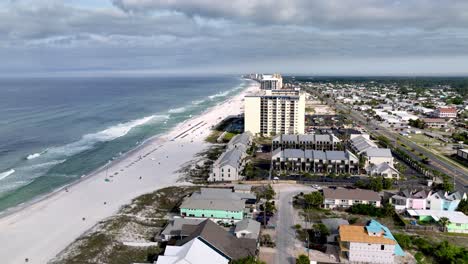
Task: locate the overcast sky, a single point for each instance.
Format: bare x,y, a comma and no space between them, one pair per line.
337,37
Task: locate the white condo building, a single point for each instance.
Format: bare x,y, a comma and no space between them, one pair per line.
271,82
274,112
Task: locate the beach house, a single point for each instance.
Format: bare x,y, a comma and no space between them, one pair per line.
427,200
410,199
341,197
247,228
373,243
458,221
208,244
376,156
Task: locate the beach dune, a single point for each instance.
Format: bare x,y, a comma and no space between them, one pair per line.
40,230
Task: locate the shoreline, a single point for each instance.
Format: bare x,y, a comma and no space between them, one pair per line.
125,155
80,203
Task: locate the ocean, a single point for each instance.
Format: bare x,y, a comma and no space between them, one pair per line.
55,130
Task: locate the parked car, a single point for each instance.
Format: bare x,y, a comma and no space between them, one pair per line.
260,219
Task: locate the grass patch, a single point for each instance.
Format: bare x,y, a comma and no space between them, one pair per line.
213,137
228,136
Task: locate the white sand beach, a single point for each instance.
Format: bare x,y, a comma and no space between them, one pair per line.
42,229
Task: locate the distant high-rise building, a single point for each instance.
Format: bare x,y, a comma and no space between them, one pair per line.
274,112
271,82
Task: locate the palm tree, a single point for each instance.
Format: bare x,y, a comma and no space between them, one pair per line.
444,222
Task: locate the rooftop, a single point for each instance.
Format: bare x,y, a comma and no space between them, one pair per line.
350,194
225,242
249,225
175,225
243,138
313,154
379,152
454,216
215,199
334,223
230,157
354,233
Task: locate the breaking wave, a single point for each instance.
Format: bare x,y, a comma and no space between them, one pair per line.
7,173
35,155
177,110
111,133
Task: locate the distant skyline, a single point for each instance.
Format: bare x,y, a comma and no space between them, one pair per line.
308,37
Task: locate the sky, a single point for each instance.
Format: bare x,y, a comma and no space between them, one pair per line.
312,37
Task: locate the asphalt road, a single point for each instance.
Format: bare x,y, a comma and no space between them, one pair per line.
460,175
286,217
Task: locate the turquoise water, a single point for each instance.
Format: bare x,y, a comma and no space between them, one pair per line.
53,131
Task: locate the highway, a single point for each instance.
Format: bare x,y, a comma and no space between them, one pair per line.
459,174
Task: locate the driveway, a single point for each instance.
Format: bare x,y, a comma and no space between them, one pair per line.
286,242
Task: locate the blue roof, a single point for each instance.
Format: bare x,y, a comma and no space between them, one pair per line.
376,227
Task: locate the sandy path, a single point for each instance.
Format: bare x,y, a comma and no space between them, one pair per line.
41,230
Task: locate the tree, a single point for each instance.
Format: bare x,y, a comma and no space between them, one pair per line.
269,207
375,184
444,222
463,206
418,123
313,199
448,253
387,183
401,168
303,259
247,260
267,193
403,240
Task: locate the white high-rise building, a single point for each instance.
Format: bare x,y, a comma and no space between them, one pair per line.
274,112
271,82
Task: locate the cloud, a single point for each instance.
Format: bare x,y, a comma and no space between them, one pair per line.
334,14
133,35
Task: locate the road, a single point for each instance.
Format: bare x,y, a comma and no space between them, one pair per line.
286,242
460,175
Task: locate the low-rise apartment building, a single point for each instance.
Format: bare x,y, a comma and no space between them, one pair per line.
315,161
312,141
446,112
229,165
434,122
340,197
216,204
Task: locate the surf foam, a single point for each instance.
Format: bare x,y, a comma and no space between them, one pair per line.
109,134
7,173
